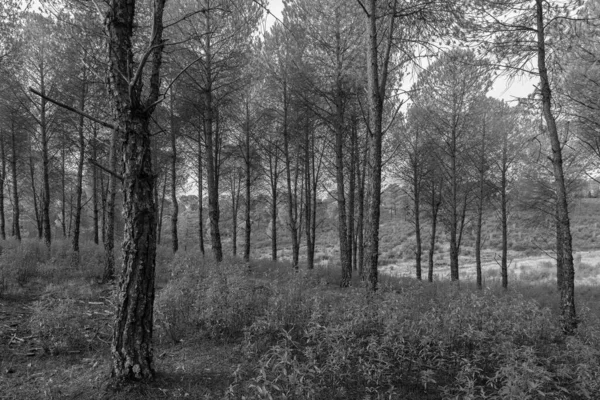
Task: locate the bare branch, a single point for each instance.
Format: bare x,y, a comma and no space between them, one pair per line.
76,111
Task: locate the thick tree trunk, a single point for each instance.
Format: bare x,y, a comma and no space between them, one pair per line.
79,186
175,213
563,229
132,335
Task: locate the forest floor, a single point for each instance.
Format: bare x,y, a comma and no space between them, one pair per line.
30,369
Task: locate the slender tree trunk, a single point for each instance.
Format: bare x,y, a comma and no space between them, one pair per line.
15,187
273,180
377,82
563,237
200,196
175,213
79,186
454,251
63,188
2,182
109,243
351,214
161,212
95,184
212,178
291,190
35,198
248,226
308,208
504,212
417,207
361,212
435,201
45,167
478,241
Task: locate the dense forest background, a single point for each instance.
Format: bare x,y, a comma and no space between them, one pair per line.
157,143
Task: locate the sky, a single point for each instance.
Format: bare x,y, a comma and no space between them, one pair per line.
503,88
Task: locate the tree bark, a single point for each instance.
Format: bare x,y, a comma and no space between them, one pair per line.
15,187
563,229
79,186
95,185
377,81
200,196
478,240
248,226
109,232
45,166
131,349
2,182
211,170
504,212
175,213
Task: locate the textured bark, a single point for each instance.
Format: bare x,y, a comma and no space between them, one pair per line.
95,186
200,196
45,166
35,198
435,201
79,186
563,228
273,182
308,196
175,213
132,335
16,223
479,227
248,178
291,182
503,211
377,76
2,183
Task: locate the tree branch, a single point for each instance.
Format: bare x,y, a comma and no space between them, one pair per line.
103,168
76,111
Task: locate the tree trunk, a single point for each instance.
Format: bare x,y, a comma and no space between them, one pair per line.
95,185
35,198
175,213
161,212
273,180
2,181
308,208
212,178
377,81
132,335
248,227
291,187
479,228
13,162
45,169
109,243
563,237
79,186
504,213
200,196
